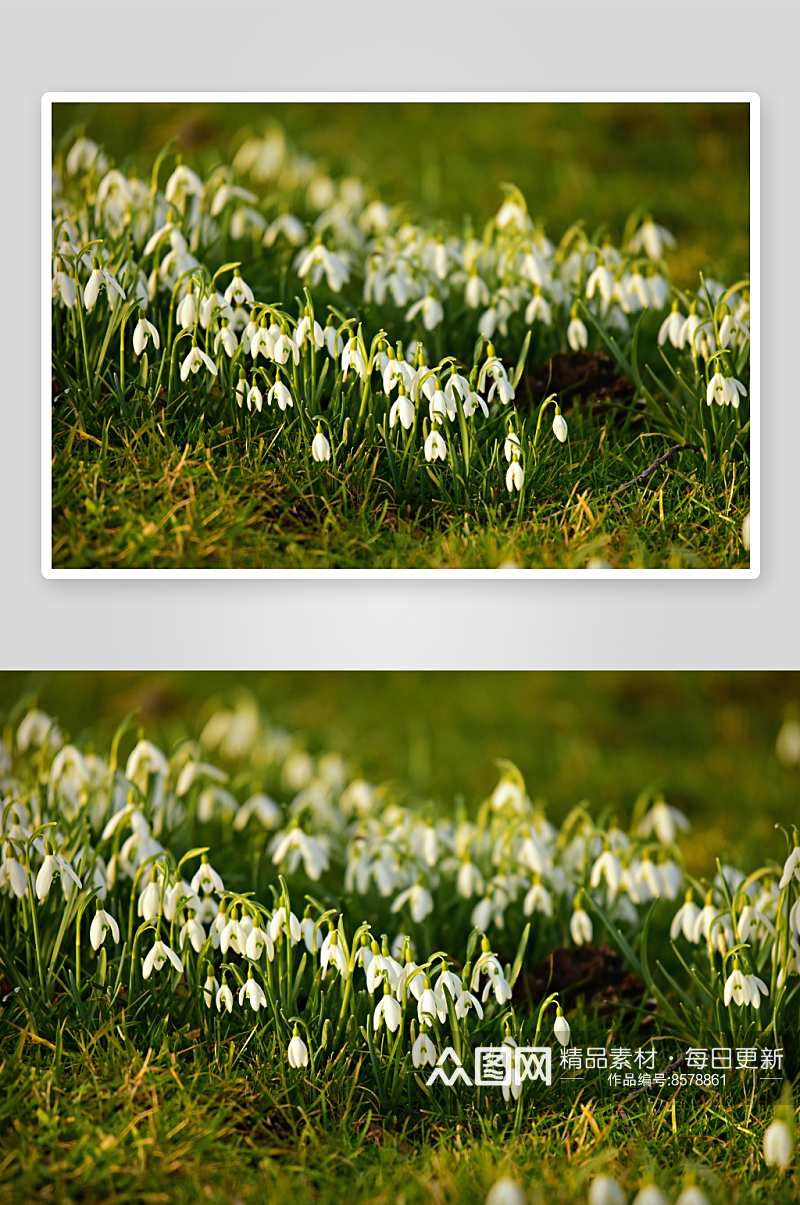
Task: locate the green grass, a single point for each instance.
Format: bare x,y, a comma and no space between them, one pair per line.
151,474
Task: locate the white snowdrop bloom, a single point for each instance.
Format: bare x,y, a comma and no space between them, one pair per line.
577,335
206,878
692,1196
63,285
196,360
179,895
476,293
13,874
35,729
238,291
258,940
388,1010
291,227
228,339
778,1145
308,331
603,280
145,759
513,217
432,312
157,956
423,1052
505,1192
724,391
653,239
515,477
214,307
665,821
469,880
671,877
488,322
787,746
383,968
297,1053
560,428
98,278
316,260
538,309
467,1001
195,932
261,806
186,313
183,183
332,953
430,1005
352,358
671,327
580,927
333,341
143,331
561,1029
497,983
441,404
791,867
285,347
649,876
149,904
448,982
605,1190
420,899
254,397
280,394
320,447
254,993
402,409
102,923
609,867
659,290
233,936
538,899
53,864
290,926
210,988
262,341
230,192
435,447
650,1195
84,154
685,920
224,999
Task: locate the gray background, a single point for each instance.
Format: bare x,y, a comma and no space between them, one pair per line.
453,624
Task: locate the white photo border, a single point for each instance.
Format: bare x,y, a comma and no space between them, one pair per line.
750,98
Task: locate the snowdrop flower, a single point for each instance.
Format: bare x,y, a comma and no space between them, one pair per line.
289,226
430,1005
298,1051
580,927
511,447
423,1052
234,935
671,327
254,992
280,394
97,279
186,312
435,447
665,821
224,998
333,341
332,952
320,447
206,878
183,183
605,1191
653,238
402,409
291,927
82,155
63,285
604,280
420,899
261,340
352,358
102,923
196,360
149,904
13,874
685,919
469,880
538,900
791,867
650,1195
515,478
305,330
238,292
195,932
258,940
560,427
607,866
210,987
476,293
778,1145
692,1196
465,1002
472,402
743,989
505,1192
53,864
432,312
724,391
143,331
577,334
388,1010
227,338
284,347
158,955
561,1028
538,308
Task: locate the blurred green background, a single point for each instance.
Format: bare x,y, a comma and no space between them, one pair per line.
688,163
706,739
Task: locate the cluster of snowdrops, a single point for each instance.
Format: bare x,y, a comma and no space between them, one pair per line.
116,877
394,334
